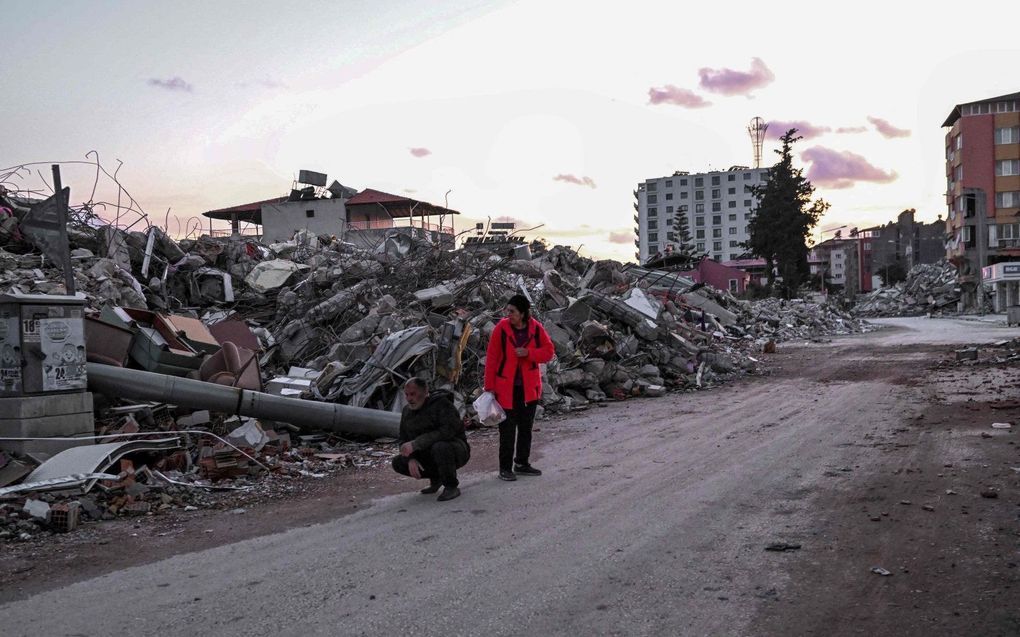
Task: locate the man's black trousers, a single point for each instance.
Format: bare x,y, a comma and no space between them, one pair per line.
516,429
439,462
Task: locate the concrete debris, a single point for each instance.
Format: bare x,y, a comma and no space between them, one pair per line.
322,320
929,288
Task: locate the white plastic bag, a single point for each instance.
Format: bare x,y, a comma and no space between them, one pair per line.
489,411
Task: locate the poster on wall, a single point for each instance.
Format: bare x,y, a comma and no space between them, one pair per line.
63,346
10,355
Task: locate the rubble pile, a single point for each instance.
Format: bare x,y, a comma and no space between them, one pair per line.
319,319
928,288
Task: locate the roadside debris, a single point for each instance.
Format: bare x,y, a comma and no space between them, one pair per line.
929,288
878,570
782,547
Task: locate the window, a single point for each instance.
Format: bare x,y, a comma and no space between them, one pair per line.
699,182
958,173
732,217
669,196
652,211
652,186
733,230
716,193
747,203
959,141
1007,135
733,285
731,177
731,204
699,207
669,209
747,230
717,233
683,194
747,176
701,247
733,243
653,224
653,199
716,206
763,176
715,180
717,245
1007,167
699,221
683,182
699,234
309,213
653,248
699,195
669,183
1008,199
716,220
653,236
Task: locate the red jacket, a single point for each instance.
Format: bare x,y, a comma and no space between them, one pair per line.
501,362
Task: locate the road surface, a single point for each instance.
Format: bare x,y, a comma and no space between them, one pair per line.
652,518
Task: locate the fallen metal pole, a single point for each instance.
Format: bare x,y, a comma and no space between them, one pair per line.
139,385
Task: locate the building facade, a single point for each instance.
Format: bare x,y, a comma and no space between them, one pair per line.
719,206
904,243
982,186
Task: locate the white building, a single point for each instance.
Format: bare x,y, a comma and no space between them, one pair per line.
719,206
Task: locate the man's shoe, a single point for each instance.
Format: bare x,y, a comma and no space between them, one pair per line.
527,470
448,493
432,488
507,475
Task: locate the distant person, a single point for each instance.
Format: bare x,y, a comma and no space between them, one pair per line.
518,345
432,440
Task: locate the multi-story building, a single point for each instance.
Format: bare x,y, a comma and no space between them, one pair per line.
982,186
905,242
719,206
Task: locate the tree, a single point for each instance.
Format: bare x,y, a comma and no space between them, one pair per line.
685,251
783,220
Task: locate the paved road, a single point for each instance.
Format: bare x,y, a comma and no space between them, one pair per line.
651,519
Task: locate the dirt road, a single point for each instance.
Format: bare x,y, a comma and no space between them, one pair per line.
652,518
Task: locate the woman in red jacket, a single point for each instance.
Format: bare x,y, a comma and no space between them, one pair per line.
518,345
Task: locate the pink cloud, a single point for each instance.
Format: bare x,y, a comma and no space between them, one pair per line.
806,130
573,179
676,96
886,129
420,152
730,82
174,83
852,129
621,237
842,169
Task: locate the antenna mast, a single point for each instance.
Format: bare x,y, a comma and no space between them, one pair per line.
756,129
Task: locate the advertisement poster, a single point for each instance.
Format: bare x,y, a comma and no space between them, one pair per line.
10,355
63,345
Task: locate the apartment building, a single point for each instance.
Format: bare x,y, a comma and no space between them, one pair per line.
718,205
983,184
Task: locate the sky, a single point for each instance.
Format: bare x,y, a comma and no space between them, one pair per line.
543,112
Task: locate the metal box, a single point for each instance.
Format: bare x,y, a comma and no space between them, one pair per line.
1013,315
42,344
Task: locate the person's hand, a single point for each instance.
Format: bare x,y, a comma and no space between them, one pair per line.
406,449
415,468
522,351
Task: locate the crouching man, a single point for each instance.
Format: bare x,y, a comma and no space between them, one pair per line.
432,440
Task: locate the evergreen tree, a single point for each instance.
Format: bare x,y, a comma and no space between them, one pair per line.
682,237
783,220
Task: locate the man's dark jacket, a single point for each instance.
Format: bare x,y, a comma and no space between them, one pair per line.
437,420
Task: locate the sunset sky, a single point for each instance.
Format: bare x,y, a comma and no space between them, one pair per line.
541,111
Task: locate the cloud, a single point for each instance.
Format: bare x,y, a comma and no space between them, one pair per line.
806,130
420,152
852,129
886,129
842,169
621,237
730,82
676,96
573,179
175,83
263,83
